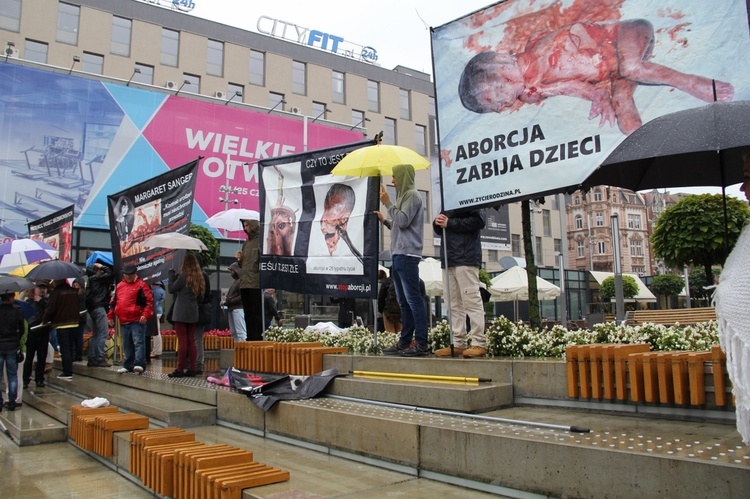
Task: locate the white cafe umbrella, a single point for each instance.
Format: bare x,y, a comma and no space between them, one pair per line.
513,285
432,275
174,240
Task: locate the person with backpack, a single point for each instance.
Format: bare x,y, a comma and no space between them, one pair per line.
133,305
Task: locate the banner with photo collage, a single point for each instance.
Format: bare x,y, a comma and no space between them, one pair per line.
319,234
158,205
56,230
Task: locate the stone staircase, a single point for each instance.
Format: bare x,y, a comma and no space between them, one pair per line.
505,433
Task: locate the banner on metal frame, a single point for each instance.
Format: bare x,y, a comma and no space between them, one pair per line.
56,230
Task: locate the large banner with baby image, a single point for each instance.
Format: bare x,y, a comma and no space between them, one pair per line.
163,204
533,96
319,233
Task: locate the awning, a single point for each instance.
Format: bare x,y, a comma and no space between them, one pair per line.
644,294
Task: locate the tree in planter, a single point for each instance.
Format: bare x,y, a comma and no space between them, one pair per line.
209,256
693,231
667,285
629,287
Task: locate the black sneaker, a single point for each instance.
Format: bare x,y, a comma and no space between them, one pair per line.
416,351
11,406
176,374
395,349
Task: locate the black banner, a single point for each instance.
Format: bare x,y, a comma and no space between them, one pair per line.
319,234
56,230
158,205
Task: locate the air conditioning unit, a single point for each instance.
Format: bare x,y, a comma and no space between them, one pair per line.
296,110
11,52
171,85
220,95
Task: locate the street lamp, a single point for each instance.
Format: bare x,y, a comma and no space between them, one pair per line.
135,71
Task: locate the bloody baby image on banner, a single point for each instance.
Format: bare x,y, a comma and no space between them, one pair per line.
318,231
56,230
158,205
533,96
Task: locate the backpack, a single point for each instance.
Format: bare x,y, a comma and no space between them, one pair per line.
392,307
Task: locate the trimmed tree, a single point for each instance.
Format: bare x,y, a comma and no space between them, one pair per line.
629,287
209,256
692,232
667,285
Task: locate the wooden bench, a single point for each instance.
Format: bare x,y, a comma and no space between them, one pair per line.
301,358
683,316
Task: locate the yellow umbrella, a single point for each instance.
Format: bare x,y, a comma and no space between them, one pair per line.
22,270
371,161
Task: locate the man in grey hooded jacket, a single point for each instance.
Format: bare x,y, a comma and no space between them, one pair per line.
406,221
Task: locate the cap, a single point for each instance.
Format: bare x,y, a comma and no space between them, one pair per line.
129,269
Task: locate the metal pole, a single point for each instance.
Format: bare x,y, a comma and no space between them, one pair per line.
563,297
687,288
619,298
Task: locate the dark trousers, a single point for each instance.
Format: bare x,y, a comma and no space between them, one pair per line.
36,346
252,303
66,339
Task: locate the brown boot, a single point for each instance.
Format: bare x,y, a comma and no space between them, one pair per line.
474,352
446,352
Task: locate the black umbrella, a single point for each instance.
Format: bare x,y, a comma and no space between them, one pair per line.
696,147
55,270
13,284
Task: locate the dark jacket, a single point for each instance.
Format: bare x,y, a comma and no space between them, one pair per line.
11,327
462,239
271,312
98,291
250,264
233,301
185,302
63,307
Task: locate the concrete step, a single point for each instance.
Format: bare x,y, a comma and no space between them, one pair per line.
52,402
29,426
152,394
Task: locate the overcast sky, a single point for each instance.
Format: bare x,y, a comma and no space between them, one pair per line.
397,29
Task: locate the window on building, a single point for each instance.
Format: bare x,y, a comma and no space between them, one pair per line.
35,51
93,63
232,89
67,23
358,118
600,219
121,29
634,221
492,255
215,58
602,247
170,47
558,246
299,78
425,203
404,102
373,96
421,142
636,247
546,223
639,270
539,252
597,195
515,245
276,101
389,131
581,249
338,88
10,15
578,200
319,111
554,202
146,74
579,222
193,84
257,68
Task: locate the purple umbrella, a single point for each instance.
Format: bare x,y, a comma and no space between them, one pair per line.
23,252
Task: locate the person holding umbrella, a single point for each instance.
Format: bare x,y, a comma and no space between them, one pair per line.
407,240
249,261
133,305
37,341
63,314
101,279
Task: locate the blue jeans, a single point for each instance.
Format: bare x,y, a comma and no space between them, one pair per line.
9,364
133,345
99,335
413,313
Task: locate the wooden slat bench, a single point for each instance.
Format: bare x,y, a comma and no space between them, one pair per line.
683,316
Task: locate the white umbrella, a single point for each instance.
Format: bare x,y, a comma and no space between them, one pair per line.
432,275
513,285
174,240
230,220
